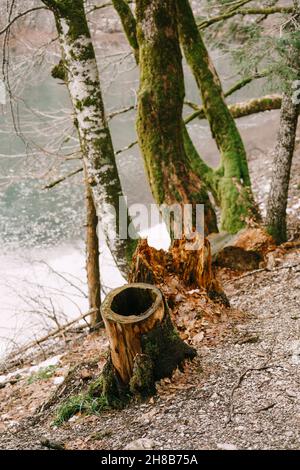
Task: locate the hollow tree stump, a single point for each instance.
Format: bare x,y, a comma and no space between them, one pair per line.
144,345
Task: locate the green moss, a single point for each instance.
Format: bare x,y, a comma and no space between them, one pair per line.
109,386
131,247
237,204
166,349
278,232
79,105
104,393
86,53
129,24
82,403
224,130
96,387
92,100
73,12
43,374
161,96
59,71
142,381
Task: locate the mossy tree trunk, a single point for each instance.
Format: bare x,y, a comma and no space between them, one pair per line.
278,196
130,28
160,105
144,345
232,178
129,24
79,69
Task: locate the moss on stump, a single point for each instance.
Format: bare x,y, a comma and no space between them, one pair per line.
144,344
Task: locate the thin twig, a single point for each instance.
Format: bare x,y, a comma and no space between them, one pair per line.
238,383
51,335
62,178
7,27
260,271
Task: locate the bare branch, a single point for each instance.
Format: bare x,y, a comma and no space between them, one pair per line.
127,148
245,11
238,110
120,111
20,15
63,178
51,335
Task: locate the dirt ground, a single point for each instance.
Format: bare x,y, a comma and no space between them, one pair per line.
241,392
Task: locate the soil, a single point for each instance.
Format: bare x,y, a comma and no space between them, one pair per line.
242,391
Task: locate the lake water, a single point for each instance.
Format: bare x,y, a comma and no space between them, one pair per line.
42,258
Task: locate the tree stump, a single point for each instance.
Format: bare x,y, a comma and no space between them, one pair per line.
193,268
144,345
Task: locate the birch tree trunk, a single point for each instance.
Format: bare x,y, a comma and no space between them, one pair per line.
277,202
234,186
81,74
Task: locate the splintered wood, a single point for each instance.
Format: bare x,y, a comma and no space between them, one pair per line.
193,267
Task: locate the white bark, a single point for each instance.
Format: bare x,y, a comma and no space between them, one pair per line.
83,83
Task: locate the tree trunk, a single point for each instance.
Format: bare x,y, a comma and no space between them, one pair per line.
277,202
92,259
129,24
234,186
159,123
79,69
144,345
130,28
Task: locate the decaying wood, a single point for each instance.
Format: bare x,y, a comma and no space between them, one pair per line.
144,345
244,251
192,266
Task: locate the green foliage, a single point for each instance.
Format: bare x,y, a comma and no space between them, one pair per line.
43,374
102,394
248,37
83,403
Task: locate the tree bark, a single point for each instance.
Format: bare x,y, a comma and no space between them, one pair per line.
92,259
234,186
159,123
129,24
144,345
245,108
277,202
191,268
79,69
130,28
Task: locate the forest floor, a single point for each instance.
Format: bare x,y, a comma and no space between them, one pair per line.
241,392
